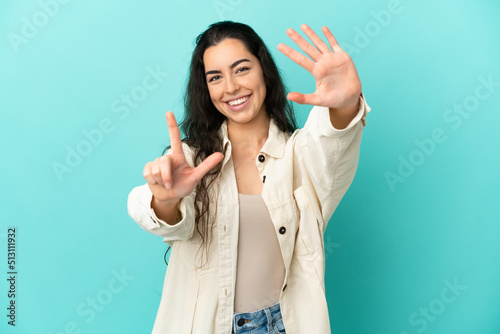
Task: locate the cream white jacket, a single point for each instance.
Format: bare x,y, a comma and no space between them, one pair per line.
305,175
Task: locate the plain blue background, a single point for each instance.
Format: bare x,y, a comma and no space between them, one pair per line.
417,218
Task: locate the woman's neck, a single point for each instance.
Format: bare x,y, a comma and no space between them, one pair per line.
250,136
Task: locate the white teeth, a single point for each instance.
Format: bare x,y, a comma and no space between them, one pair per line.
238,101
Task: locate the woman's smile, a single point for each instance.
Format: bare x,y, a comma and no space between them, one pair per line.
239,103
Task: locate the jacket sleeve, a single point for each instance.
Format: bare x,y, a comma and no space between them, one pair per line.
330,157
140,210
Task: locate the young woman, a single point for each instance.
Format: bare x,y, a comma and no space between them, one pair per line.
244,199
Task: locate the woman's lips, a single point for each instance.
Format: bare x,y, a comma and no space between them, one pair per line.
240,106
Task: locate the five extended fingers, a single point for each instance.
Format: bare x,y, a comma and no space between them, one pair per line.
310,50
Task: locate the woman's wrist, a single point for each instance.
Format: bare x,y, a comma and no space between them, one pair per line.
166,210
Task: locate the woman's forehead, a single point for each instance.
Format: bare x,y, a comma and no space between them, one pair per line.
226,53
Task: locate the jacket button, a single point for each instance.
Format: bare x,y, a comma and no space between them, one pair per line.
284,287
241,322
262,158
282,229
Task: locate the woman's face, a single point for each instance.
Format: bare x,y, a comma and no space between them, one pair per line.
235,82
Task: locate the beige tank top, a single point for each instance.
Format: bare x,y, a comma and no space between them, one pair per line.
260,271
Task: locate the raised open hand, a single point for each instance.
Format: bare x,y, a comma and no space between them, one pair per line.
170,177
337,81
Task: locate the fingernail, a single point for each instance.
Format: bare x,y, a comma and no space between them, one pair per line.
168,185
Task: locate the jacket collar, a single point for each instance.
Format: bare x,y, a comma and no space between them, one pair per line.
274,145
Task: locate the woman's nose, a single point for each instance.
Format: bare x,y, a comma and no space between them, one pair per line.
231,85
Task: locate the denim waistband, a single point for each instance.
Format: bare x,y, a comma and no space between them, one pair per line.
250,320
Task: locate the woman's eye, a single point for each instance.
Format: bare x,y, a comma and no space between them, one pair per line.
217,76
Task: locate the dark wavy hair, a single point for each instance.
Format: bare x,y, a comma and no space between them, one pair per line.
202,120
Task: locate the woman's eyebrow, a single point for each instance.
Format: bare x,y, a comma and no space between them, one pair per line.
233,65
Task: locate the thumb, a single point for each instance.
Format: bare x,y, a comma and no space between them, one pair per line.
210,162
303,98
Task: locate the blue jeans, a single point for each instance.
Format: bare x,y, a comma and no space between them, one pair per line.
263,321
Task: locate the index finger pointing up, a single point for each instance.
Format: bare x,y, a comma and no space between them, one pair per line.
174,133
